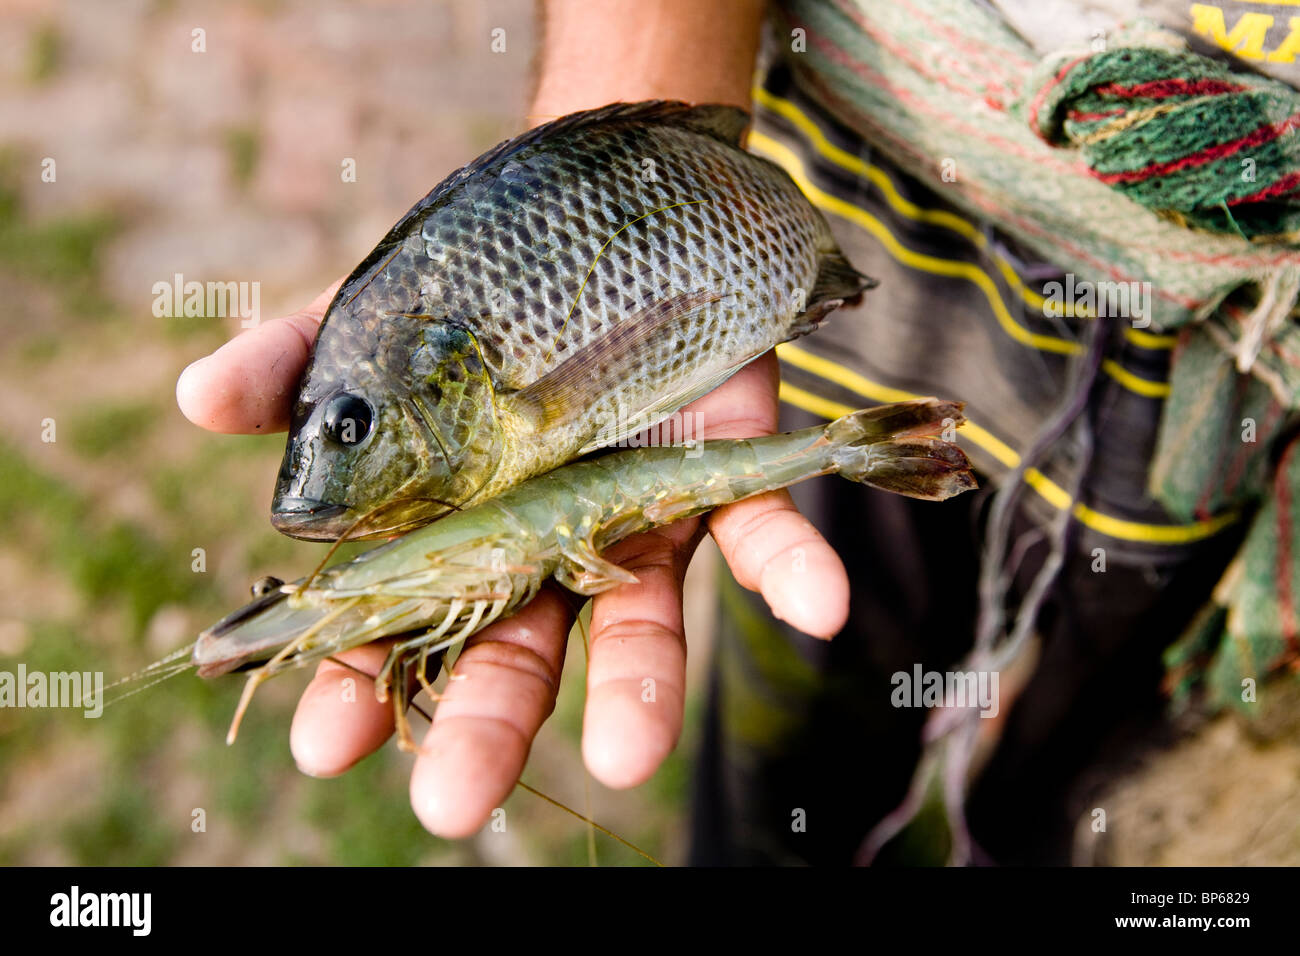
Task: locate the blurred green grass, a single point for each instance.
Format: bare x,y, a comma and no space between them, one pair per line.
63,253
243,150
44,53
139,772
100,527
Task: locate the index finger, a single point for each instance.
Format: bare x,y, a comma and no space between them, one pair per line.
246,387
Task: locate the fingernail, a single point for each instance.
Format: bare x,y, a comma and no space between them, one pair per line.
187,399
188,372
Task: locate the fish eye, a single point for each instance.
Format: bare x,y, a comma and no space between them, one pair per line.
347,419
264,586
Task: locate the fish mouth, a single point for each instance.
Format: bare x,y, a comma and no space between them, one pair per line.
309,518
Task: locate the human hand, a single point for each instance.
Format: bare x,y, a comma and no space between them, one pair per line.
484,724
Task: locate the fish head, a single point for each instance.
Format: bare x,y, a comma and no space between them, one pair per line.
383,445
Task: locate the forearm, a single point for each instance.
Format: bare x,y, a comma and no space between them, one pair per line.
602,51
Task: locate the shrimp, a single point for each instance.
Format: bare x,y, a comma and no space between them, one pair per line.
436,586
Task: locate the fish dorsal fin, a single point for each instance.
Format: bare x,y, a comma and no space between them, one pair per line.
565,391
724,123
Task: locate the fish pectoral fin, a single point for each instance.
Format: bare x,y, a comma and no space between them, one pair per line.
584,571
662,407
565,392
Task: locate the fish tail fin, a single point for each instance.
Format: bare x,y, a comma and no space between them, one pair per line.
837,282
904,448
837,279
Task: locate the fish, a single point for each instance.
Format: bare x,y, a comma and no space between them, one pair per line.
564,291
436,586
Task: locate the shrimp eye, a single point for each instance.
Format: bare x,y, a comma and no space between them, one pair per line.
264,586
347,419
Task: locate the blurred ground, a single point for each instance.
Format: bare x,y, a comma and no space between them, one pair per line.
220,165
1216,792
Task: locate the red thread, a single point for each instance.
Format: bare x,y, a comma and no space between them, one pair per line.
1162,89
1284,185
1041,95
1265,134
1078,117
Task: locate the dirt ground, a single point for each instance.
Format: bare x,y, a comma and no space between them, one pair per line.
1217,792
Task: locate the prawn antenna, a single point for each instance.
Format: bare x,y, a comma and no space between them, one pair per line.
176,662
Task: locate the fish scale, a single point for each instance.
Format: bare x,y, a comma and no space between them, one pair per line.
566,289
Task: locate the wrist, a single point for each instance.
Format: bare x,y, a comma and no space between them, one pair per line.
692,50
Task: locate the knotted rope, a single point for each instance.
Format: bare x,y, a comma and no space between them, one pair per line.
1179,133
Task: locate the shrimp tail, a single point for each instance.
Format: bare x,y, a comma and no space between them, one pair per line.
906,448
